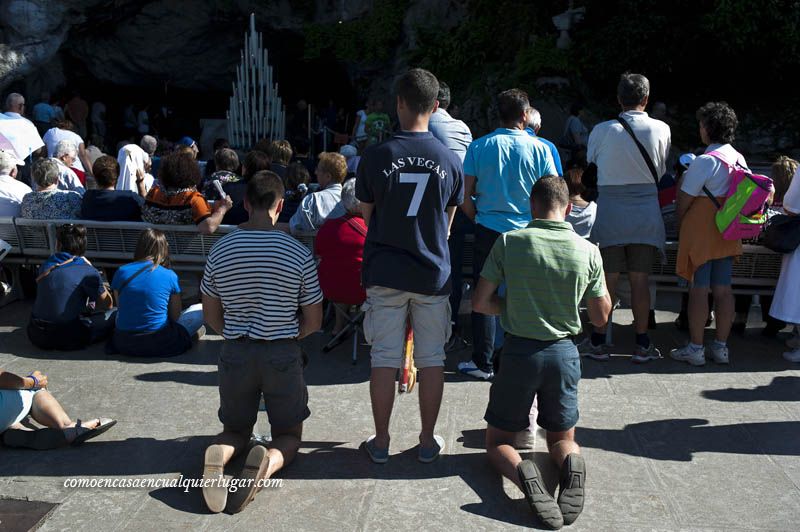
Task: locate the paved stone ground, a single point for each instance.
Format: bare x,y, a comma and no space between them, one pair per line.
668,446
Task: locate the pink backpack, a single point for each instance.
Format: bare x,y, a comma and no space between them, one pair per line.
743,214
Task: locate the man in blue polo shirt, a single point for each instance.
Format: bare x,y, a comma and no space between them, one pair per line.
410,187
499,171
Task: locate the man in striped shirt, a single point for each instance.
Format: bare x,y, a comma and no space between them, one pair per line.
255,280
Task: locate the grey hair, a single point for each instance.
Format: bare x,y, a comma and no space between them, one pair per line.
633,89
536,119
149,144
65,147
45,172
349,200
13,99
7,162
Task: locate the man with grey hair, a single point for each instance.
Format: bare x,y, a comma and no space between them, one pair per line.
534,125
15,104
11,190
630,153
20,131
65,154
149,144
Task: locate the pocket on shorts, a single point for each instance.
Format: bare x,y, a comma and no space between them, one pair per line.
366,324
230,357
286,358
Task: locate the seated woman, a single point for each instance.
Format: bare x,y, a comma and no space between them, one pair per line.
150,322
61,317
254,162
326,203
296,188
21,397
48,202
226,164
340,246
107,204
583,212
69,177
175,199
65,130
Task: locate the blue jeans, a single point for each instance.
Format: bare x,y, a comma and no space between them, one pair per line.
461,226
192,318
716,272
483,326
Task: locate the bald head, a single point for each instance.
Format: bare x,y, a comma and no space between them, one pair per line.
15,103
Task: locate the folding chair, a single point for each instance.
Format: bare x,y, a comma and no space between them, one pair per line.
354,325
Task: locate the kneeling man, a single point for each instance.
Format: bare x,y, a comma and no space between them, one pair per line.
541,317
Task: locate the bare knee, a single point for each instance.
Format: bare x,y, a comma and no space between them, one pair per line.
496,437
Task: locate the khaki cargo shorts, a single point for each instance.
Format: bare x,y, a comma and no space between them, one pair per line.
385,313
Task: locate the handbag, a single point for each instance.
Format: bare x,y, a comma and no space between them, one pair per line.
782,233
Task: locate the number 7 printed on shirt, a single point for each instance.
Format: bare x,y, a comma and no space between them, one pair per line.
421,180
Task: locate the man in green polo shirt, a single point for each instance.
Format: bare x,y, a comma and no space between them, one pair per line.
547,269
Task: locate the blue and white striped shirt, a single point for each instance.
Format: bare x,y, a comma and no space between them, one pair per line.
262,277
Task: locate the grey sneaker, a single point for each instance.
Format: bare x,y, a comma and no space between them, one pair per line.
426,455
720,354
539,499
596,352
695,357
642,355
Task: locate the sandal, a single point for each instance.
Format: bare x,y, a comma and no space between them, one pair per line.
81,437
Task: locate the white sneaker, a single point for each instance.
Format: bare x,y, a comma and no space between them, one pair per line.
695,357
597,352
720,354
469,368
792,356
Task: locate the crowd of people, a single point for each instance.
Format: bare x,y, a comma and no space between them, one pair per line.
557,227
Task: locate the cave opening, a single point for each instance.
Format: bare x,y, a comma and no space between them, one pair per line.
320,82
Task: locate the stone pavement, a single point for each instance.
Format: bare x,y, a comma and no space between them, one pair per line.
667,446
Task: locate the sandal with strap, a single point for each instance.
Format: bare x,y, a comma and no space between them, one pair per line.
103,425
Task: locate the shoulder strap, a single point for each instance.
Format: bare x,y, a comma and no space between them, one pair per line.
643,151
132,277
712,198
717,154
357,227
49,270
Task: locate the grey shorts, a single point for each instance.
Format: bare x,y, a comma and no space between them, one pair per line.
637,258
385,313
249,369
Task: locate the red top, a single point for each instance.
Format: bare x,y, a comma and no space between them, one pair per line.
81,176
340,246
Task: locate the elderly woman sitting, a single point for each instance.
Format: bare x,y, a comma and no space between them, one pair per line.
340,246
48,202
69,177
325,203
21,397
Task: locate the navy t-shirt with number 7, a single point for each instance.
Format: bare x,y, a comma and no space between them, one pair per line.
412,179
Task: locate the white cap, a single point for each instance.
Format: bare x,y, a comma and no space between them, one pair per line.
12,156
348,150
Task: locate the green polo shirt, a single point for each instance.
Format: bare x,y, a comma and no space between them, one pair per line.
547,269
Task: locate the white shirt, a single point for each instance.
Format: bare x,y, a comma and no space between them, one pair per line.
708,171
618,160
21,133
55,135
361,131
791,200
11,194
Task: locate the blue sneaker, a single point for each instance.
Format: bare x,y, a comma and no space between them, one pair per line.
376,454
429,454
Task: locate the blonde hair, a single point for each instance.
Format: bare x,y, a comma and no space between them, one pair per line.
334,164
152,245
782,172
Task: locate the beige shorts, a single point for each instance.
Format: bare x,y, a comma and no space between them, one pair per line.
385,315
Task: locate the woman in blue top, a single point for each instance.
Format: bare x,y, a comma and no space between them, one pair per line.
150,322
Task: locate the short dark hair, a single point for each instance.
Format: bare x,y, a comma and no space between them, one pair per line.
262,145
254,162
511,105
296,175
72,239
444,95
418,89
574,179
179,170
632,89
221,143
106,171
719,121
550,193
226,159
264,189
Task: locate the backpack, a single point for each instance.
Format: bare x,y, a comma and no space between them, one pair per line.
743,214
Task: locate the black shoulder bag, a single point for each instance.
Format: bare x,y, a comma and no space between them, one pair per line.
643,151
